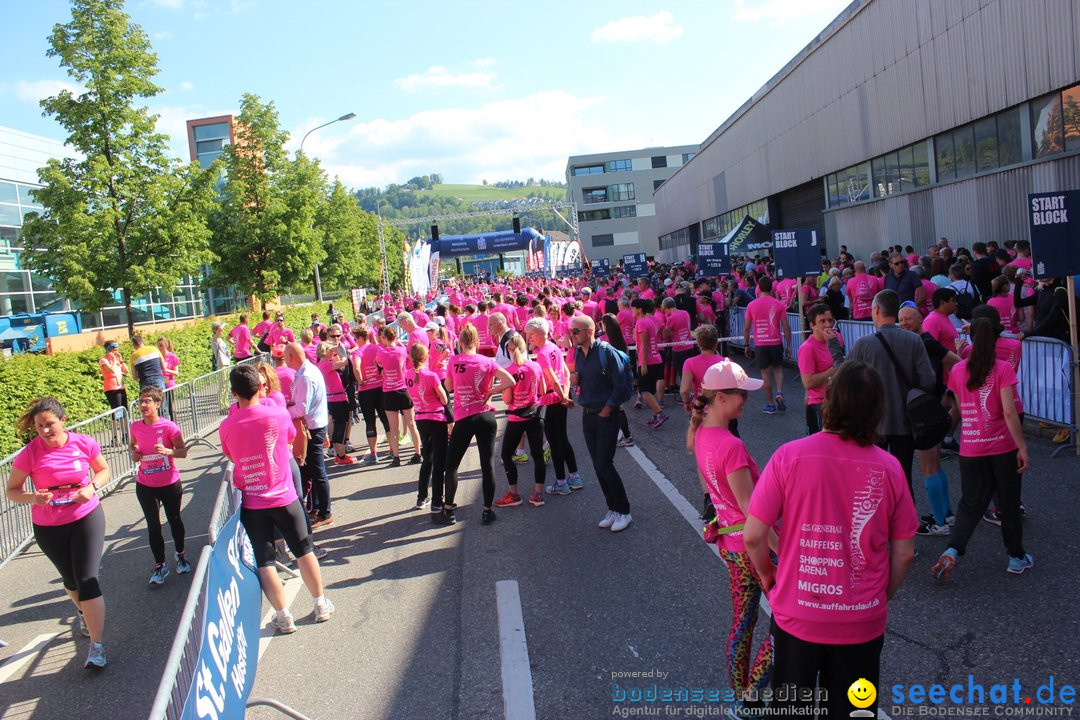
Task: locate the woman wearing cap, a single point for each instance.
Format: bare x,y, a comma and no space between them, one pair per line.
113,370
848,546
729,474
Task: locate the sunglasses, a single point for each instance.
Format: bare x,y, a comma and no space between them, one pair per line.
335,335
576,331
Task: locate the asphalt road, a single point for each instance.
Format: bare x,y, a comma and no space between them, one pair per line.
416,630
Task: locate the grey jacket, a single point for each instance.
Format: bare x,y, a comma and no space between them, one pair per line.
910,351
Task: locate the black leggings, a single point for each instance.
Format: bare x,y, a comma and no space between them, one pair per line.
75,550
288,519
562,453
433,444
371,405
483,427
534,430
169,497
339,415
624,424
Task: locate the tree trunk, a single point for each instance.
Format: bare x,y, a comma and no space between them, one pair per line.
127,312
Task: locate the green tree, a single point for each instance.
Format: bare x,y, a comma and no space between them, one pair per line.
122,217
350,239
263,225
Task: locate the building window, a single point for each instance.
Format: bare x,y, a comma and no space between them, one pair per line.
588,170
592,215
619,166
622,191
921,164
687,156
1070,113
946,161
1047,130
7,193
656,185
964,149
659,161
986,151
624,211
594,195
603,240
1008,137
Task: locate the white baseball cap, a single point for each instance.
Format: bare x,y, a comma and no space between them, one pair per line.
727,375
432,327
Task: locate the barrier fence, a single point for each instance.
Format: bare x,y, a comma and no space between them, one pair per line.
197,407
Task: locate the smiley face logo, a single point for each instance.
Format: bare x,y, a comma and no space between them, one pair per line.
862,693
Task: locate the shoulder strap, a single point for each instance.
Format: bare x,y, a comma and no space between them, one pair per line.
895,362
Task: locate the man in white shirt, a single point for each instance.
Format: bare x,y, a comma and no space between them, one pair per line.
309,403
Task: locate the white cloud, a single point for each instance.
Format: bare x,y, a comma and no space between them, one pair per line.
511,138
36,91
203,8
168,4
484,62
439,77
162,35
658,28
781,11
187,86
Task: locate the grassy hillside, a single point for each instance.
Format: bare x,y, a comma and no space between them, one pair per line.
481,193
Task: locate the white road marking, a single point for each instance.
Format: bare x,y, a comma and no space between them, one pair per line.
266,630
682,505
518,703
16,662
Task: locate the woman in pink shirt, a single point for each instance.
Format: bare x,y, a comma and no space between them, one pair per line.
154,443
845,547
429,402
66,470
1001,299
369,390
993,453
170,363
523,418
392,358
330,364
729,474
474,379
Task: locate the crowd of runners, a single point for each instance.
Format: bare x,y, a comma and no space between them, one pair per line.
829,542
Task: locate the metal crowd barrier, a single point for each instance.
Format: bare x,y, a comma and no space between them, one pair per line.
736,318
197,407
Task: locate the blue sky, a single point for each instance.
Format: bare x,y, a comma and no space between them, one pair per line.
473,90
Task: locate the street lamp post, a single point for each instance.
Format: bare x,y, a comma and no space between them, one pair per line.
347,116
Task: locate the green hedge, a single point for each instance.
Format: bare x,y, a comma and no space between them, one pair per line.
75,378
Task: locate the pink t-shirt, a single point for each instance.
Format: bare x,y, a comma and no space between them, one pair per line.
766,313
838,520
262,328
241,337
523,313
678,324
550,357
280,336
626,322
335,389
814,357
861,290
419,335
425,396
50,467
258,441
156,470
719,453
392,360
927,306
983,431
171,363
438,356
312,352
370,378
647,338
696,366
942,330
647,294
286,375
472,376
785,290
480,322
528,381
1006,309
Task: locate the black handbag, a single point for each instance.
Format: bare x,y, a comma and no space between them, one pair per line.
930,422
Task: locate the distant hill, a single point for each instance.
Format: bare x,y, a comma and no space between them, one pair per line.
490,193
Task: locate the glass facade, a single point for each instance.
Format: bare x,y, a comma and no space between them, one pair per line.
588,170
619,165
624,211
210,141
586,215
594,195
622,191
721,225
675,239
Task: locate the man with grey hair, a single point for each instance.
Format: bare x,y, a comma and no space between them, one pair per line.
410,329
308,402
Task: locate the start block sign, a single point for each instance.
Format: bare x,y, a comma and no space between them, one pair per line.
1055,241
796,252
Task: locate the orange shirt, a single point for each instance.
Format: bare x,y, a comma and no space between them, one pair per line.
112,373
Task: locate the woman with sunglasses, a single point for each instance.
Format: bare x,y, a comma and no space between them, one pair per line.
154,443
65,470
729,474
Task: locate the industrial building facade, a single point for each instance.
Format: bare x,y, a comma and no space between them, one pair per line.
902,122
613,193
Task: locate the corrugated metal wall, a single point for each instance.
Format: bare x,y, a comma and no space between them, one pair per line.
895,72
992,207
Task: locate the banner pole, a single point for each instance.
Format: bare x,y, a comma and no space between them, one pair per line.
1071,282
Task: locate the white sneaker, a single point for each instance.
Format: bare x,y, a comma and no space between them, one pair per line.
323,610
621,521
608,520
283,622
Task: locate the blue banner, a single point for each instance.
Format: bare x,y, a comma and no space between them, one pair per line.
1055,242
635,265
571,270
547,255
712,259
481,244
749,238
601,268
796,253
225,668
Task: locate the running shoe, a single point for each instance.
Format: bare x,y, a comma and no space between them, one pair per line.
401,438
608,520
944,566
83,629
575,482
927,529
416,460
659,420
182,565
319,552
160,573
547,455
522,458
372,459
621,522
487,517
344,460
323,609
626,442
95,659
283,622
651,423
322,522
781,406
768,409
536,500
950,519
992,516
1060,438
396,462
559,487
443,517
349,447
422,503
510,499
1019,565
